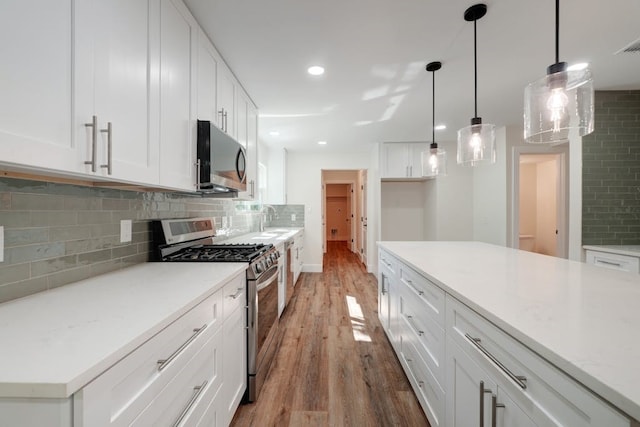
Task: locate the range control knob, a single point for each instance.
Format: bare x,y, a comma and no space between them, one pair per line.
258,268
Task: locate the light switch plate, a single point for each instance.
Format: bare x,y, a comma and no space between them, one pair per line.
1,243
125,230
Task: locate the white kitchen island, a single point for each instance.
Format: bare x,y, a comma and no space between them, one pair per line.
126,348
573,327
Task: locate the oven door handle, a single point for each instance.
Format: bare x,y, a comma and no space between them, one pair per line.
267,278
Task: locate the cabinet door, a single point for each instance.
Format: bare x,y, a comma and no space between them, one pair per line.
177,97
469,390
395,160
226,101
207,73
246,129
414,152
234,363
123,86
36,84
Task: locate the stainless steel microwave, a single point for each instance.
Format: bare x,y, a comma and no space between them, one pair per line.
221,162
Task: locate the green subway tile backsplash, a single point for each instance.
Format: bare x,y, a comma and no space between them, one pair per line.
611,171
56,234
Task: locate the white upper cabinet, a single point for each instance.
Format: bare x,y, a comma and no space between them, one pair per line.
207,77
402,160
36,84
116,62
178,38
247,132
226,100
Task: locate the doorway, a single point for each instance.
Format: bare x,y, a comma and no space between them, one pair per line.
344,209
540,201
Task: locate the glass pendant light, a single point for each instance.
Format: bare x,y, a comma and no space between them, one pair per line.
434,161
559,102
476,143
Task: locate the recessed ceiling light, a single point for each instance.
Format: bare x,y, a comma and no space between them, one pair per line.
577,67
274,133
315,70
441,127
322,142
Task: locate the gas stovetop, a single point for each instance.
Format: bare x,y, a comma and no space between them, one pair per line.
220,253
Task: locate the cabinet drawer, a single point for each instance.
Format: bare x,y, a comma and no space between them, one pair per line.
537,387
388,263
424,333
234,294
122,392
614,261
187,396
430,295
426,387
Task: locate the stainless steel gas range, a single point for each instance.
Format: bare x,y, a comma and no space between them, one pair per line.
192,240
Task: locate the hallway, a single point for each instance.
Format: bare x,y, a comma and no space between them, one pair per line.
335,366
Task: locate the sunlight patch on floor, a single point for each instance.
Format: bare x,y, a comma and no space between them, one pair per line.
357,320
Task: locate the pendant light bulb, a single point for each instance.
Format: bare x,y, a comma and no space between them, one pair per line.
434,161
560,102
477,142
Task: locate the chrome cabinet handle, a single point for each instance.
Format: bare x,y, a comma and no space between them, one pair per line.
494,406
94,141
237,294
163,363
198,174
413,325
416,290
518,379
482,392
383,290
221,112
253,188
615,264
197,390
109,132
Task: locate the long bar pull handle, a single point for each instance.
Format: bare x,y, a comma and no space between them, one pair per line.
413,325
383,289
109,132
221,112
198,166
197,391
226,123
494,406
482,392
94,141
615,264
518,379
237,294
162,363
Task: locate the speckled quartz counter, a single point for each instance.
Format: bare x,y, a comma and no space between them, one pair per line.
55,342
581,318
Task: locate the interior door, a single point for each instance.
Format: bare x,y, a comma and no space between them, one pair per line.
363,219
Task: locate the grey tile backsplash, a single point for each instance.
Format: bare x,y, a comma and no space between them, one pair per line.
56,234
284,216
611,171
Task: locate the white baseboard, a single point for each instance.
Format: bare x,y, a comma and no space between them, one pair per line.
312,268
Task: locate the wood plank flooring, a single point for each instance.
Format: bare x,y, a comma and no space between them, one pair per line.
335,366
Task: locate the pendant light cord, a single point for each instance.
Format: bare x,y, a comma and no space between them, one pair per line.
433,110
557,31
475,68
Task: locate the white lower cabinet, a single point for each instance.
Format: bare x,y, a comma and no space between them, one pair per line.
465,371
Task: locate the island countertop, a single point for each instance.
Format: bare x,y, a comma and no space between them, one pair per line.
581,318
55,342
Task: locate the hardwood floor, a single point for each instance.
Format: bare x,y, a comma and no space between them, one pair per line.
335,366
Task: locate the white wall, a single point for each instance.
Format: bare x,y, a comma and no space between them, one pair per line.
304,186
402,211
546,219
490,196
454,216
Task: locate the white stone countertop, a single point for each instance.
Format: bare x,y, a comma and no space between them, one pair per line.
55,342
629,250
273,235
582,318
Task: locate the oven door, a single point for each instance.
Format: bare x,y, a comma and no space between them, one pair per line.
263,324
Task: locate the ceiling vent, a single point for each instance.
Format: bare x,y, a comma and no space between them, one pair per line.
633,47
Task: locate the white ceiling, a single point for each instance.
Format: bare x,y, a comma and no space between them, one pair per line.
376,88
